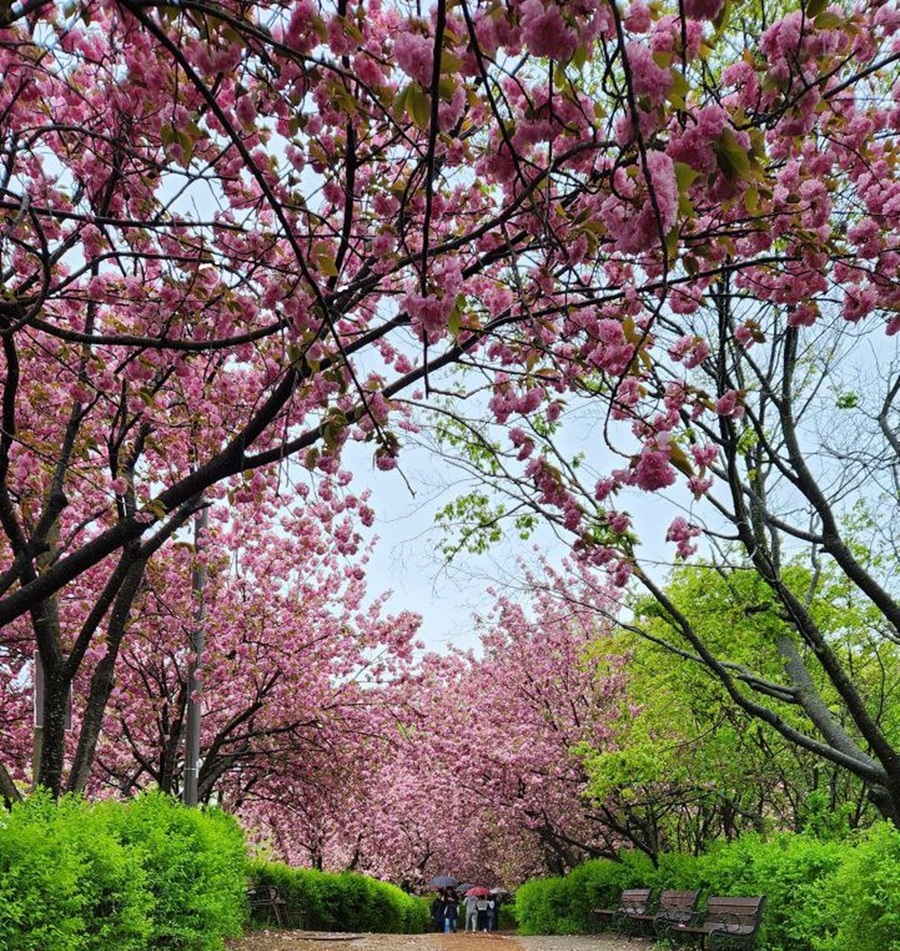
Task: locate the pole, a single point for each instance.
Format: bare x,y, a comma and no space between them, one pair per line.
198,640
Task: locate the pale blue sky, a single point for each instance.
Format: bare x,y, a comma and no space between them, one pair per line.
408,560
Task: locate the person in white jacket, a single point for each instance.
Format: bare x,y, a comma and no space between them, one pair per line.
471,904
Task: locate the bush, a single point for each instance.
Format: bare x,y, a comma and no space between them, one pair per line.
195,865
793,871
67,882
345,901
565,905
862,899
136,876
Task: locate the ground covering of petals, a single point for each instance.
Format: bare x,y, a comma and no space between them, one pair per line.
322,941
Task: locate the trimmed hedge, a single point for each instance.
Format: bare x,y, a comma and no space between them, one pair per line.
145,875
822,895
563,905
343,901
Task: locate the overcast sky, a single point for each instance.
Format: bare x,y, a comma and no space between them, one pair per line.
408,559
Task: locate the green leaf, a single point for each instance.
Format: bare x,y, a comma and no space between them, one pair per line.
721,21
580,56
685,176
679,91
453,321
323,258
828,21
418,106
450,63
400,102
733,158
671,246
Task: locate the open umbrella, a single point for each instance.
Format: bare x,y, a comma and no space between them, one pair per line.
479,891
443,881
463,887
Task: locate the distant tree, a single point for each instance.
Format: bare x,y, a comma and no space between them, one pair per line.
292,652
485,777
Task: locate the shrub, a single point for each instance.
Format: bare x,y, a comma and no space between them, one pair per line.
41,904
67,882
565,905
793,871
862,898
342,901
195,867
790,870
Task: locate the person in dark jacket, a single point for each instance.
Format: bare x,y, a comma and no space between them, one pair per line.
451,914
437,912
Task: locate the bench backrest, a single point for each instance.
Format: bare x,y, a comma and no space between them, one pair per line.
634,901
736,914
678,906
262,894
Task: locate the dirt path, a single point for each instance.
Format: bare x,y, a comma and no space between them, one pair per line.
325,941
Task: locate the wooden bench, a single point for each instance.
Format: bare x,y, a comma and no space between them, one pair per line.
728,923
632,902
266,899
673,907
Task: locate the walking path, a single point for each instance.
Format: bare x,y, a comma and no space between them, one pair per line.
326,941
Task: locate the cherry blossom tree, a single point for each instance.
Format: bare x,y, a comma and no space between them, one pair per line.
293,649
294,652
484,776
747,368
232,236
235,236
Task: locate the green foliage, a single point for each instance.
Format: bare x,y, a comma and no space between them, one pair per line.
689,765
195,864
67,882
862,900
563,905
790,870
76,876
821,894
345,901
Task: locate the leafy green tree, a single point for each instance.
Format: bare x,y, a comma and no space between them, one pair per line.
693,765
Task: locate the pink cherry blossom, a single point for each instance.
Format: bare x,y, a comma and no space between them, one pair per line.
682,533
730,403
703,9
415,56
545,31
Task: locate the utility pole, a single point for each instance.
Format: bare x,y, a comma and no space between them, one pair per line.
198,641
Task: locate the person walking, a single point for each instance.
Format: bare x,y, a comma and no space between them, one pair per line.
451,914
481,907
492,913
437,912
471,905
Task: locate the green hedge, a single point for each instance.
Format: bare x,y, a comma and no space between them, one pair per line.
822,895
563,905
343,901
138,876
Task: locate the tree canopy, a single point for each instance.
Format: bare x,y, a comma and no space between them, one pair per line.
235,236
